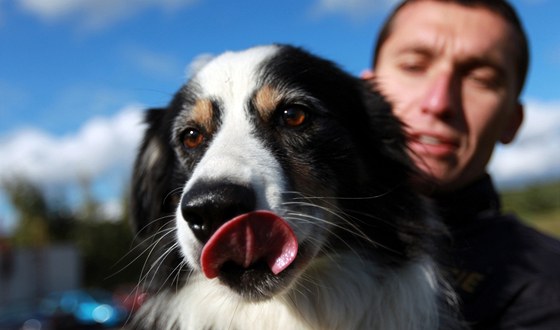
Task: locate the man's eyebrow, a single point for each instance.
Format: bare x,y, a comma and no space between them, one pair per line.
479,60
415,48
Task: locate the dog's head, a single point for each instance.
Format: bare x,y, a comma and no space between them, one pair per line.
267,161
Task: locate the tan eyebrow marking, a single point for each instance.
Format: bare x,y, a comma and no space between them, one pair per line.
202,113
266,101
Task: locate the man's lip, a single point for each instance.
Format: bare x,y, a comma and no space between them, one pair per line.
432,144
433,139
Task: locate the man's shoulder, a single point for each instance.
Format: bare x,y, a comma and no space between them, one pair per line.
503,241
535,251
532,242
535,297
507,272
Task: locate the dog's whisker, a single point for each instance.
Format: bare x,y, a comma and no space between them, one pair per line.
172,272
138,256
165,219
326,247
339,198
145,272
346,224
353,230
177,278
171,193
342,215
156,265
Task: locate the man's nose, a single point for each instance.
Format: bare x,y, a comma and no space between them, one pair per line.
440,96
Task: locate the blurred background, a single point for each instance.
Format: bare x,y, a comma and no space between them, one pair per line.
75,76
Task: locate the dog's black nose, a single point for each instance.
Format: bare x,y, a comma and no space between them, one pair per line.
207,206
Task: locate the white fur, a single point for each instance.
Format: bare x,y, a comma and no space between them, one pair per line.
331,292
341,293
234,154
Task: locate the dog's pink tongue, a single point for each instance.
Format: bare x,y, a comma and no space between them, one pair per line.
250,237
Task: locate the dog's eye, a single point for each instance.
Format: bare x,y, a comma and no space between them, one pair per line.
192,138
294,116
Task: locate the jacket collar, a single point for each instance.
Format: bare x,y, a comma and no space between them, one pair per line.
475,201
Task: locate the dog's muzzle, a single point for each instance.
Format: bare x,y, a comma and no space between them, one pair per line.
224,219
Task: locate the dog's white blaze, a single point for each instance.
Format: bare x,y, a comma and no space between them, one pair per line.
232,75
235,154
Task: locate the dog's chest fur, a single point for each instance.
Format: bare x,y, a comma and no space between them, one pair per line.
334,301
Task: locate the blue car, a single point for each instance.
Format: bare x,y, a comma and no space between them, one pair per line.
82,308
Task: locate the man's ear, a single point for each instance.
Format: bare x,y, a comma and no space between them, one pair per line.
369,77
512,127
367,74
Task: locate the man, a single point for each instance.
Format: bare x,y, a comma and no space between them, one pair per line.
453,71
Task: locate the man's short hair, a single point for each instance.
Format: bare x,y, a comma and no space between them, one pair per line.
500,7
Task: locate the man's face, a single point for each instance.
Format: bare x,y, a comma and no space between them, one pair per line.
449,71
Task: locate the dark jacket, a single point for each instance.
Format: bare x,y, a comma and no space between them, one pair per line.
506,274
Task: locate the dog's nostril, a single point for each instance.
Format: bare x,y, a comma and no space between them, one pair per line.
206,206
196,223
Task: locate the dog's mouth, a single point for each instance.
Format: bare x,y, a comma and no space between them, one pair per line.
258,243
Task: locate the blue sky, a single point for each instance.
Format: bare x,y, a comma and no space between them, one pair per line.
75,74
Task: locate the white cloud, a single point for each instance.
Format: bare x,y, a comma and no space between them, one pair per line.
355,9
101,151
101,145
535,154
96,14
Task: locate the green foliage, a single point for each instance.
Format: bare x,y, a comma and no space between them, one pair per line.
538,204
106,245
108,253
533,199
36,220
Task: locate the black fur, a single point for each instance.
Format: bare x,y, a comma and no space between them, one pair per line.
351,144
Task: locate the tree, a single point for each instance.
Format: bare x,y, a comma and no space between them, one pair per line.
105,245
30,204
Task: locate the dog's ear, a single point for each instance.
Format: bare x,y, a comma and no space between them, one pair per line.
388,130
152,197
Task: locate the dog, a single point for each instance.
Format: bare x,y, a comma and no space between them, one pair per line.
274,192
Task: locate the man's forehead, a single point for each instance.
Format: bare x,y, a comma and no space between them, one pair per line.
438,25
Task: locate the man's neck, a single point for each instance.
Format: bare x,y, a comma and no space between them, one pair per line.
473,201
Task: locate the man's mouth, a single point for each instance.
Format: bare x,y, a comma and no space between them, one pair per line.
425,139
432,145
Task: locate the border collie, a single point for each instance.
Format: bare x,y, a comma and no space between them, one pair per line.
274,193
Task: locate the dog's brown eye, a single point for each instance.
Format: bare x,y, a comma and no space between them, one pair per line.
192,138
294,117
